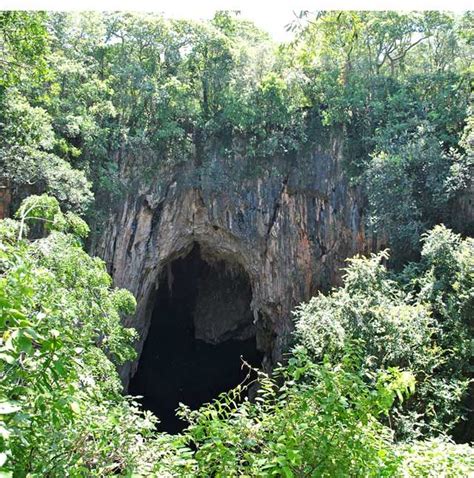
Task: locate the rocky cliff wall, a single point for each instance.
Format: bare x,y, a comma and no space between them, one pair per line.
289,223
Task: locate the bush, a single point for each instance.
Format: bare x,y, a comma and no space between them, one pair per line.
420,321
61,408
436,458
323,421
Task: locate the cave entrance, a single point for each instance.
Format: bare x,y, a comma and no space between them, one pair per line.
201,325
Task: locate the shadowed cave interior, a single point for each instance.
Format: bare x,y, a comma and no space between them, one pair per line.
201,325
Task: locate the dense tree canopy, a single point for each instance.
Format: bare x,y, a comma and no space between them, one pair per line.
399,85
24,47
395,87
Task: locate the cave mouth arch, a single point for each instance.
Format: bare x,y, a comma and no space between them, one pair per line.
201,326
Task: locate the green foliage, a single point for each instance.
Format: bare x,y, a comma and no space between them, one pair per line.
436,458
62,413
322,422
310,419
376,357
399,86
370,307
444,280
396,85
411,189
329,412
26,158
422,323
139,83
46,209
23,47
382,358
24,125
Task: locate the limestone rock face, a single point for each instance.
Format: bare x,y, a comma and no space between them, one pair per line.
288,223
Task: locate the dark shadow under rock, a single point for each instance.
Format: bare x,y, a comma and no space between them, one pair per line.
200,328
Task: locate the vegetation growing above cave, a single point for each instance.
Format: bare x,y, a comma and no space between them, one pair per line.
87,88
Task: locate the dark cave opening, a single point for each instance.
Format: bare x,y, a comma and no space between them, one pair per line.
200,328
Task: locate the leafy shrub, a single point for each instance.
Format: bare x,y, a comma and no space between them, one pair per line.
436,458
323,421
61,408
409,189
421,322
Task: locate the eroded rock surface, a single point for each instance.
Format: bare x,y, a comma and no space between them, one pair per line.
289,223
